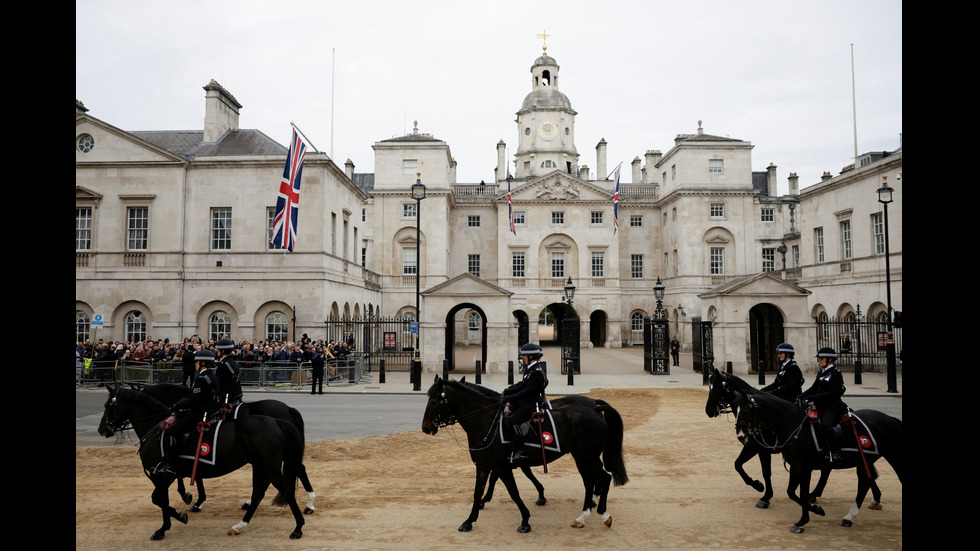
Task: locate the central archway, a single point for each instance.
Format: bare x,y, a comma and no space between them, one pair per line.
450,351
766,332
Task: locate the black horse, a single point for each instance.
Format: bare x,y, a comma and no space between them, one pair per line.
782,426
721,389
586,433
170,393
583,401
273,447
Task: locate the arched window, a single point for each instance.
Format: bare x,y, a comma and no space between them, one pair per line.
473,321
81,326
276,327
219,325
135,326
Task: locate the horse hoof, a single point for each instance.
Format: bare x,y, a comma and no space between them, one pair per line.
818,510
758,486
540,502
158,535
188,498
846,523
308,511
875,506
296,534
524,528
762,504
608,522
465,527
196,509
182,517
245,506
796,529
578,524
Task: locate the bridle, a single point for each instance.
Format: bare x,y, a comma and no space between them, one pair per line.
757,431
439,420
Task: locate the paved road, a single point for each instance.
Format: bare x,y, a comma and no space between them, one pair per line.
341,416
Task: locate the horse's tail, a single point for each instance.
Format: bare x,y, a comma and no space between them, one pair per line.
612,455
292,461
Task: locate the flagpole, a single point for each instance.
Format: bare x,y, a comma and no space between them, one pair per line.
614,170
304,136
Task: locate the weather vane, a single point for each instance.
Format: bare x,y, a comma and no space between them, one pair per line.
544,43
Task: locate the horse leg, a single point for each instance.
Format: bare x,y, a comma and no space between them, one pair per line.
748,452
864,484
310,496
601,495
481,482
489,495
821,484
196,508
187,497
537,485
260,484
160,498
589,469
507,476
876,497
765,461
801,477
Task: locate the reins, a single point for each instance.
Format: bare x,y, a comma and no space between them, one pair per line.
490,435
757,431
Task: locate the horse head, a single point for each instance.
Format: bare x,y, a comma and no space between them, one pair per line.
719,394
110,424
437,412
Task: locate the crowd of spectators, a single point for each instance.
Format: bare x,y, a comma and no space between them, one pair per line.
248,352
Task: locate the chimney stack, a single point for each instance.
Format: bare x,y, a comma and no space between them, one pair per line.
220,112
600,160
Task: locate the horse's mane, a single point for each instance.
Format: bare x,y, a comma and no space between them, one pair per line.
476,390
488,392
143,399
738,384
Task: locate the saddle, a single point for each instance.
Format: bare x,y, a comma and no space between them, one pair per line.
187,443
851,424
530,433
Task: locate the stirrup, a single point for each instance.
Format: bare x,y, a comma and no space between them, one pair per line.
163,467
517,458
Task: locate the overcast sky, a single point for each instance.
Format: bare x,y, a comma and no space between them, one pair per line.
776,73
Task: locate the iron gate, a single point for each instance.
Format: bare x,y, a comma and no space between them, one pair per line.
703,346
856,339
656,343
570,346
376,338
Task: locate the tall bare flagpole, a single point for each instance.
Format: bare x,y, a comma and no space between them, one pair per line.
854,105
333,69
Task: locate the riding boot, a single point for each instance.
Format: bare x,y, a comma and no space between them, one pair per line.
834,456
517,456
164,467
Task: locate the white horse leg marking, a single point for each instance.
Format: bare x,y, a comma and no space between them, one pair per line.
855,509
607,519
237,529
580,521
310,496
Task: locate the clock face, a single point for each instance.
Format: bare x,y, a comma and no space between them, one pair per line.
547,130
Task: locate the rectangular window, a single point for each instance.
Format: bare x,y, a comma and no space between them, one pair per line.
598,264
137,228
636,221
878,232
519,218
83,229
270,223
717,261
768,214
410,264
558,217
363,257
768,259
557,264
796,256
517,265
636,266
363,215
596,217
818,243
717,210
410,166
473,265
716,166
408,210
845,239
473,221
221,229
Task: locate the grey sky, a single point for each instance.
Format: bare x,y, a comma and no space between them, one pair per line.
776,73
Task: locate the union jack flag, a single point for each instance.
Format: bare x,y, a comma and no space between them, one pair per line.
616,203
287,205
510,208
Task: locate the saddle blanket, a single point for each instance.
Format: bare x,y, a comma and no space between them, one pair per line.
533,438
865,439
209,451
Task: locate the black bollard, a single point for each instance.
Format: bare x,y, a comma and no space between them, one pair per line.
510,372
728,367
478,380
417,374
762,372
857,371
381,371
445,368
571,373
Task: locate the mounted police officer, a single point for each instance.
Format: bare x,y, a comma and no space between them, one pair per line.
525,396
825,394
789,381
203,401
228,371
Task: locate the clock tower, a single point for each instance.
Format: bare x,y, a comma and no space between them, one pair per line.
545,125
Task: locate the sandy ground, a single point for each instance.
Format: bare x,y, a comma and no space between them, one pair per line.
412,491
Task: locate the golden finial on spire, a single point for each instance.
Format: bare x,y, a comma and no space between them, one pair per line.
544,43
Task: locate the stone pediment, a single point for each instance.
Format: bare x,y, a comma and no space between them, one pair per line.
764,284
557,186
466,285
112,145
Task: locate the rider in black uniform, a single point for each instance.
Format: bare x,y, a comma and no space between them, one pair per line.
525,397
826,393
789,381
202,402
229,372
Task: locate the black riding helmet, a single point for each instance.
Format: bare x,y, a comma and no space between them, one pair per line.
224,344
206,357
532,350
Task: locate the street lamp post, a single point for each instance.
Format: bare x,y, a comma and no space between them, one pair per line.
885,197
418,193
570,347
658,340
